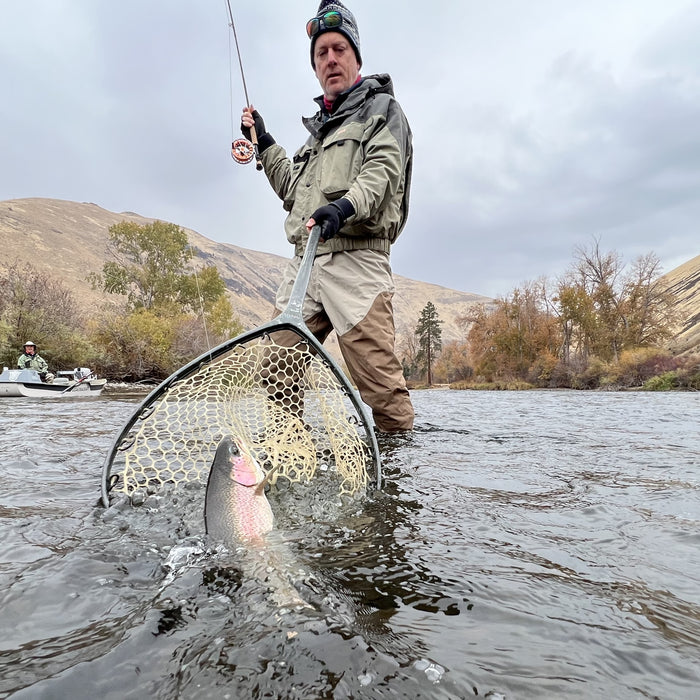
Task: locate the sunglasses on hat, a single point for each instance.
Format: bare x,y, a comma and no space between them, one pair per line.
331,20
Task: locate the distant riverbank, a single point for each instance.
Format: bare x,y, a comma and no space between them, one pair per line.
128,388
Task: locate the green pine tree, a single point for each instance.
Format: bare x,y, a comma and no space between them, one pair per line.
429,335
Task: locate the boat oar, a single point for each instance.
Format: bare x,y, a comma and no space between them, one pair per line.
72,386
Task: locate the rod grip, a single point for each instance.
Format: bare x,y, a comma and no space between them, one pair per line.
254,139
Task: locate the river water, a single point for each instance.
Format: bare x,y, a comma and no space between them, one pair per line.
525,545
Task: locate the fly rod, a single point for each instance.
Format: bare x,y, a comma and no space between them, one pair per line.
241,149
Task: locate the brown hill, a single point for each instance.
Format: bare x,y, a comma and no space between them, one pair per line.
68,240
684,284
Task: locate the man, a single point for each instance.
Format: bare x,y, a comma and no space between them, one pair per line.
30,359
352,178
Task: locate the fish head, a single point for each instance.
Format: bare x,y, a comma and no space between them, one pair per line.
234,461
236,508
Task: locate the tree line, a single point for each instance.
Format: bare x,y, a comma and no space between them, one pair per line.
601,324
168,312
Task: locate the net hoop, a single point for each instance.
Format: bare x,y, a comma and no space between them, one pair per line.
291,401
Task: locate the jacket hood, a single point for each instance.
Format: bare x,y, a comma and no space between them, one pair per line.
348,101
381,82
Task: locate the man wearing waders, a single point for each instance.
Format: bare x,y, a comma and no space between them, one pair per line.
352,177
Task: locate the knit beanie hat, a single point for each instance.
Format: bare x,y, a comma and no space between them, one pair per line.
348,27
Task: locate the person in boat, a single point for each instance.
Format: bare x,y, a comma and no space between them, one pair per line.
31,359
352,177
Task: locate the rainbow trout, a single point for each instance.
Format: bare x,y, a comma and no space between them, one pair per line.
236,509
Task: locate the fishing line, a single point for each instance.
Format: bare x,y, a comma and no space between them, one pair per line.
242,150
230,85
201,310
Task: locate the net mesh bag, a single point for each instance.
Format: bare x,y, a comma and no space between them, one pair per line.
284,402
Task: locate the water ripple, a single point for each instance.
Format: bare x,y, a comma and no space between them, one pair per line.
526,545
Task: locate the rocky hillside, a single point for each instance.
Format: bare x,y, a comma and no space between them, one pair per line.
69,240
684,284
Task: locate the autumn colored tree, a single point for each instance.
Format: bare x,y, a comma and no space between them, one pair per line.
150,266
147,265
429,336
174,311
201,290
600,276
506,341
136,346
649,307
604,309
575,311
593,328
408,352
453,364
35,306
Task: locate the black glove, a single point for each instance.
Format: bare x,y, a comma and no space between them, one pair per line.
264,139
331,217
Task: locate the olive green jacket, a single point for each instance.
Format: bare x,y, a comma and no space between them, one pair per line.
37,362
362,151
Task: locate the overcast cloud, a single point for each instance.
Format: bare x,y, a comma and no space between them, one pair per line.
537,125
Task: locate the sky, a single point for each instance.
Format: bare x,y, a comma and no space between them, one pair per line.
539,127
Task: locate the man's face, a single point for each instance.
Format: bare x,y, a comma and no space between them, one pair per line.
336,64
29,349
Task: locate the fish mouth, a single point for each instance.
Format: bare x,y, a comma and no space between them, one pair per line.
245,468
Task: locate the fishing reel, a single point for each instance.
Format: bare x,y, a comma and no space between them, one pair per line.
242,151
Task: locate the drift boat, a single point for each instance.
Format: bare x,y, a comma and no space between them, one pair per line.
81,382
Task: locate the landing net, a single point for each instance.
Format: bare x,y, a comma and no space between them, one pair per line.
284,402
